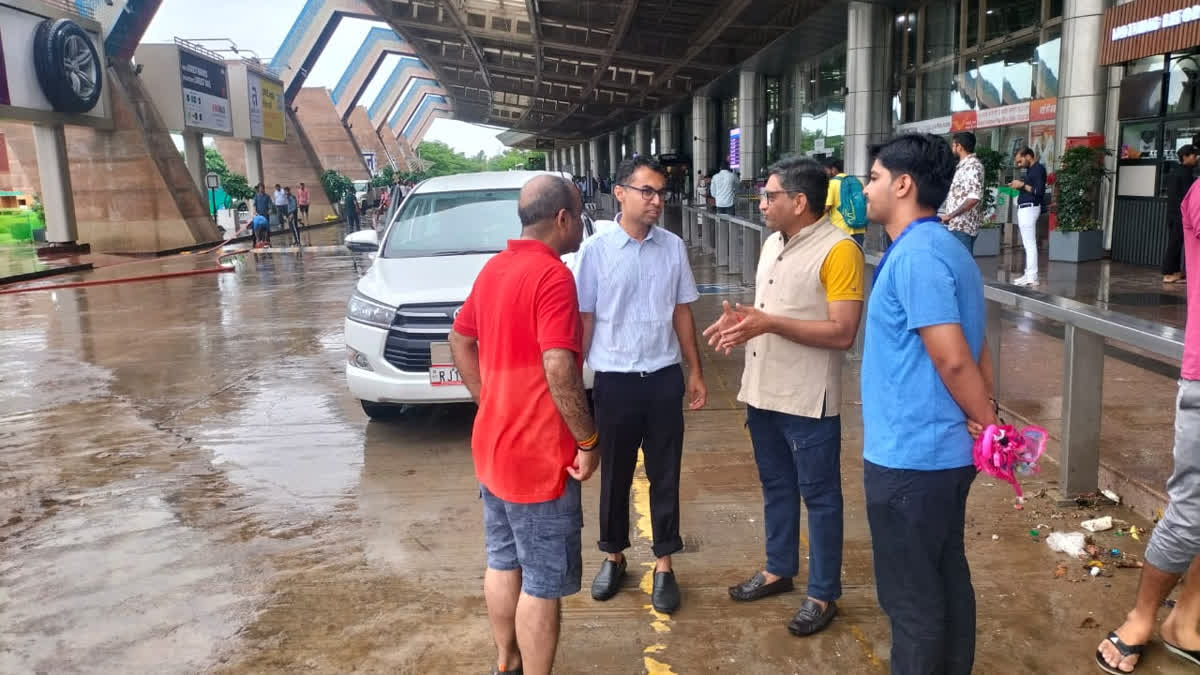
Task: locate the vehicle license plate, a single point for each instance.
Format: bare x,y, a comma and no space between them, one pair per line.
442,372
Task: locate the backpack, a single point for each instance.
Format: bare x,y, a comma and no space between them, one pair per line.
853,204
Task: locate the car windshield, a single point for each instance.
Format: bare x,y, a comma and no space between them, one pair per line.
454,223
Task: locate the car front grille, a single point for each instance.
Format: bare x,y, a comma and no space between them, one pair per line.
413,330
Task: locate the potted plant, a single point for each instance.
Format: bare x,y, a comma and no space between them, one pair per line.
995,211
1077,236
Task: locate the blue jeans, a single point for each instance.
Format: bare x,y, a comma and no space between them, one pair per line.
921,572
542,540
799,458
967,240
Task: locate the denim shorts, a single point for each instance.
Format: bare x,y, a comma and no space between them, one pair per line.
543,540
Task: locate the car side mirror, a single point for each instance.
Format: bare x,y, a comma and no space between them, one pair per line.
363,241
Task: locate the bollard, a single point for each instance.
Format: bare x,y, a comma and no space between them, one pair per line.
723,227
1083,394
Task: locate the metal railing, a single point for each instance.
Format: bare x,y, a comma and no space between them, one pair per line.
1087,329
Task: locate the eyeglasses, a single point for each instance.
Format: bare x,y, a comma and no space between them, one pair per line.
647,193
770,195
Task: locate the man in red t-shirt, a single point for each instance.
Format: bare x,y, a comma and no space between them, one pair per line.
518,342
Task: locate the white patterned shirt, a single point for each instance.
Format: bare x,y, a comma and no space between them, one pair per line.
632,288
723,188
967,184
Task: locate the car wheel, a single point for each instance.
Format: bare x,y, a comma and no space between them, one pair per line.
384,412
67,66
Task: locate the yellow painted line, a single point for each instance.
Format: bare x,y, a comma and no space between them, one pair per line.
861,638
660,623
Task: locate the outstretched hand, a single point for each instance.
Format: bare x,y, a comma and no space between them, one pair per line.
752,322
727,320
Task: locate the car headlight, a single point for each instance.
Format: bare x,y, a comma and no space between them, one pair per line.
371,312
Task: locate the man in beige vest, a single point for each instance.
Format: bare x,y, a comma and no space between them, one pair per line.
807,305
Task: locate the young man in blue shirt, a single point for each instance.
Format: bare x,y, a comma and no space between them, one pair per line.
926,390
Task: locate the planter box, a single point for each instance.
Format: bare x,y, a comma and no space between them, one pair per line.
987,243
1076,246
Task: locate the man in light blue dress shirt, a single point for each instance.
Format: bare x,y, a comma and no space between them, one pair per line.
635,292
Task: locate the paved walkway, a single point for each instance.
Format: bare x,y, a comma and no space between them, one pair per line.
188,486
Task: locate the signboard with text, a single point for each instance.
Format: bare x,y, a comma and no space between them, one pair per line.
266,107
1002,116
205,93
735,149
1139,29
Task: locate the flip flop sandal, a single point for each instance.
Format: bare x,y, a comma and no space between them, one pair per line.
1192,655
1125,650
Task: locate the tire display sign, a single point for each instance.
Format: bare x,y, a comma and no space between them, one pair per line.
266,107
52,67
205,93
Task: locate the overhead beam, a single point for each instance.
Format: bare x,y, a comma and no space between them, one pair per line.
624,17
536,30
725,14
450,11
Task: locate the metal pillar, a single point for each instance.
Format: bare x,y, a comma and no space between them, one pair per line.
868,116
753,124
254,163
641,136
668,134
594,158
1082,84
50,146
704,129
614,153
193,155
1083,394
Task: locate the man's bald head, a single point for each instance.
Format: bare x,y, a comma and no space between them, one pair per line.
543,197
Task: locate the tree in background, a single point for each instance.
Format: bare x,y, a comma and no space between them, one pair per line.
385,177
235,185
336,185
445,161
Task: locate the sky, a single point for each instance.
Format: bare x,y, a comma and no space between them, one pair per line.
261,27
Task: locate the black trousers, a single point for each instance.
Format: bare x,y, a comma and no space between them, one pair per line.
640,411
921,572
1173,261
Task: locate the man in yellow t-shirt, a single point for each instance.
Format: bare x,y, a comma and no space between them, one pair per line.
833,168
808,301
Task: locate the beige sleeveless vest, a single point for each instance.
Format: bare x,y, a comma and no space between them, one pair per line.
781,375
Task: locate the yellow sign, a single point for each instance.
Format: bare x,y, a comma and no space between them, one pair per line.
272,110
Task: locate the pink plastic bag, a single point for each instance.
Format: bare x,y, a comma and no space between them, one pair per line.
1004,453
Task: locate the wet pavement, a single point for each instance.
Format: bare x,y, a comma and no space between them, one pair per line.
187,486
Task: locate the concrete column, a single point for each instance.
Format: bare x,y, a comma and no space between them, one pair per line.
254,163
668,134
641,137
704,128
594,157
1082,85
585,159
1112,131
752,112
868,119
50,146
614,152
193,156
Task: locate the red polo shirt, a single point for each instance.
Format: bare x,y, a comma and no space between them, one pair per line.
523,303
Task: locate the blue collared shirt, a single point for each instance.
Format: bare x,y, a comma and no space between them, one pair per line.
632,289
910,419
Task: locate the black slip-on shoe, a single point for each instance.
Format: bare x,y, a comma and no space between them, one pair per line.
608,580
665,597
757,588
811,618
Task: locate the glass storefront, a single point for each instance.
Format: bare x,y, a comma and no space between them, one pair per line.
982,60
1159,109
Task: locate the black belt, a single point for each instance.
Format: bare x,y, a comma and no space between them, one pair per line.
640,373
1021,206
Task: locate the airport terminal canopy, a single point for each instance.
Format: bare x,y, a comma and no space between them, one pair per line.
577,68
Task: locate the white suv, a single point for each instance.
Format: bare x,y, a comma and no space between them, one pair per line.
399,318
